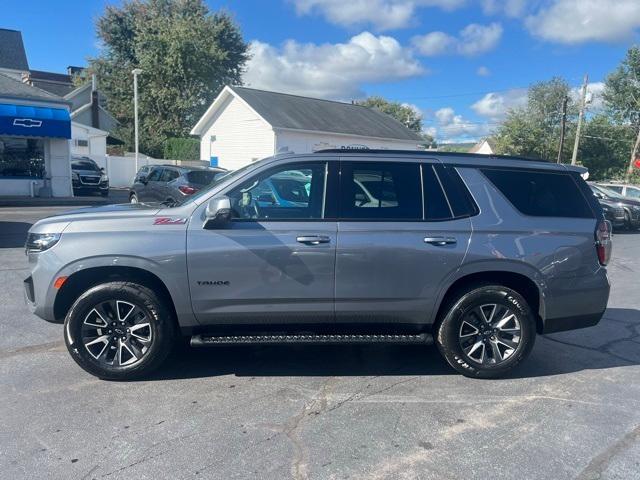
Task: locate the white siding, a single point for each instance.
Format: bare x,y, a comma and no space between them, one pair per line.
308,142
241,136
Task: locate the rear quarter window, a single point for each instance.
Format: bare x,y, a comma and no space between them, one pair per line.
541,194
202,177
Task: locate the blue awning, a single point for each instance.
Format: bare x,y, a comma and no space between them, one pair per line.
34,121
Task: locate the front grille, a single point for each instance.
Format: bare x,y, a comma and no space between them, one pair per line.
618,212
89,179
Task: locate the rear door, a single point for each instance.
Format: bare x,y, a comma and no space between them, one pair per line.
394,250
164,191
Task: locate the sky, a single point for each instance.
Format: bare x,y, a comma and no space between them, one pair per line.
461,63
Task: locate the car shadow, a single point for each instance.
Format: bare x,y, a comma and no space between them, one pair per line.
13,234
612,343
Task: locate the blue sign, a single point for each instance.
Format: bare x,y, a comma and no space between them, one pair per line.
31,121
213,161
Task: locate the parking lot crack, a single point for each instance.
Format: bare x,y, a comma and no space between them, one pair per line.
600,463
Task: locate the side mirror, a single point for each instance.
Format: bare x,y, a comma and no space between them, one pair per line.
102,169
218,213
599,195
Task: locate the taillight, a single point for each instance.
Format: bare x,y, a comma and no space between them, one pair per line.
603,241
187,190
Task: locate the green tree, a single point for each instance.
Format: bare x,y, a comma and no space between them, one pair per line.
604,147
534,130
186,53
622,99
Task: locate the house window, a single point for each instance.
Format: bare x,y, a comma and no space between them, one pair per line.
21,157
81,143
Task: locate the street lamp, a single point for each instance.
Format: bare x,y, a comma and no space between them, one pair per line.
136,72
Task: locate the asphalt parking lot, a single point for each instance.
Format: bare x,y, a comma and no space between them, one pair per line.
361,412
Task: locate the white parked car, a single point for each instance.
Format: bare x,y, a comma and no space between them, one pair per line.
632,191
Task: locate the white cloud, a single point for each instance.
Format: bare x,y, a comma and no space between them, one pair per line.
483,71
447,126
496,104
330,70
381,14
511,8
578,21
472,40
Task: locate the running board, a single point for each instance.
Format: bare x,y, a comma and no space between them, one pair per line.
310,339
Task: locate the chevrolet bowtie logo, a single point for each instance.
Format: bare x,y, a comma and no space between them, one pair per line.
27,122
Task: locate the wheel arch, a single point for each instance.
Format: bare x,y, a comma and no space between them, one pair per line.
80,281
521,283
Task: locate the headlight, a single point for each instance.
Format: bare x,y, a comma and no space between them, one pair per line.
39,242
103,178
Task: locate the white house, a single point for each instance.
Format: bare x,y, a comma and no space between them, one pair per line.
88,141
484,146
244,124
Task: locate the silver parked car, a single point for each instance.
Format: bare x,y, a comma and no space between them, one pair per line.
475,253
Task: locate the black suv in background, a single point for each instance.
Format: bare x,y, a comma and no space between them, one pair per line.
630,206
170,185
88,177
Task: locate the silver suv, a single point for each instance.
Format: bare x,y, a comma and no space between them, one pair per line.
475,253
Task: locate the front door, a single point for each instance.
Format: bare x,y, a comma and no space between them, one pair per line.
394,250
275,261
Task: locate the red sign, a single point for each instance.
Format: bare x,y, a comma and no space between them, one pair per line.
636,163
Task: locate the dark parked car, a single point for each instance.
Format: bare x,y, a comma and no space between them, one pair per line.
170,185
88,177
631,206
614,212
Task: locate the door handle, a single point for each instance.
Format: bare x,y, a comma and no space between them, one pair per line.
313,239
440,241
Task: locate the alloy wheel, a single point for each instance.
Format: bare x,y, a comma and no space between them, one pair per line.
117,333
490,334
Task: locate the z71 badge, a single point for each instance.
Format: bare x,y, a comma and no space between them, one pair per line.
169,221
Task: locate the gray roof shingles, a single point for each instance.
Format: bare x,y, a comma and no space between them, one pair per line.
303,113
12,54
10,87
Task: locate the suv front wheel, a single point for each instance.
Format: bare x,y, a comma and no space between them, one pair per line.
119,331
486,331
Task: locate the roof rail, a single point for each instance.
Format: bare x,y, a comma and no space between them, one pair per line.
428,153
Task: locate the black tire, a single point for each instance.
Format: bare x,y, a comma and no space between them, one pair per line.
133,198
162,328
459,309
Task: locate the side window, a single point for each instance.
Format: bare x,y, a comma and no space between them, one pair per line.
460,200
380,191
168,175
541,194
632,192
615,188
289,192
436,205
154,176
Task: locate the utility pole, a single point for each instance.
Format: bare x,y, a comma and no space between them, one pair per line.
563,127
634,155
136,72
583,104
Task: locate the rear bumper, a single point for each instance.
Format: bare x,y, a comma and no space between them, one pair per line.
553,325
578,303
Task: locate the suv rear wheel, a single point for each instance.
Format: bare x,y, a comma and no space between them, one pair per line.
133,198
487,330
119,331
